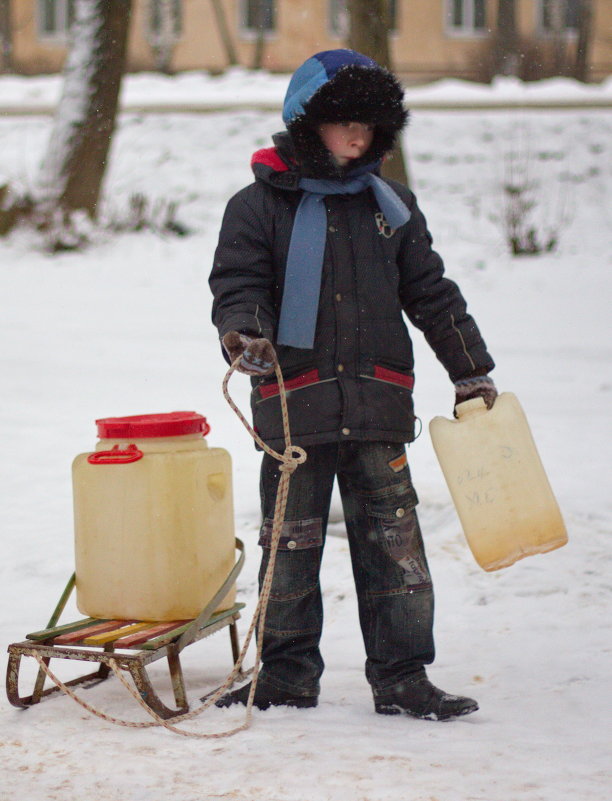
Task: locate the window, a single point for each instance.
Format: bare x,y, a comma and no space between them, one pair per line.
251,11
339,18
156,17
466,17
569,11
55,18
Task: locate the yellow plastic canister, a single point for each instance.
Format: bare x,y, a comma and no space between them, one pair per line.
153,519
497,481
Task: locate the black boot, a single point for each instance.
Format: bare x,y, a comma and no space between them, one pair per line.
266,695
417,696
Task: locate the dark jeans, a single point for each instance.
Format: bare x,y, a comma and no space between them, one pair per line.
394,589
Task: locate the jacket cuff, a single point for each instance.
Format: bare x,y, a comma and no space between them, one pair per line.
246,324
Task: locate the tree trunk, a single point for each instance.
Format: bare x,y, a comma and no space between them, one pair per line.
224,32
6,48
557,9
260,41
506,58
583,45
369,34
164,38
369,29
74,165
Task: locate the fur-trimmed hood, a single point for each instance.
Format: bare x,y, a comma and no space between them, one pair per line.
341,86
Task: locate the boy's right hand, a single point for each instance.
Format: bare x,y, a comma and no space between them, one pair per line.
258,355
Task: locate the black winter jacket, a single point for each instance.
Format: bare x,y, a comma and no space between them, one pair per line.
356,383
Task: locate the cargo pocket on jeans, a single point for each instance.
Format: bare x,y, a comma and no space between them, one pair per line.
298,559
399,534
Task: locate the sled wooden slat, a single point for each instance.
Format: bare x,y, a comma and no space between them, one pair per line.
77,637
67,628
153,630
114,634
164,639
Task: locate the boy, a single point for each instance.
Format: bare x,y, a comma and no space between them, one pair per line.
318,259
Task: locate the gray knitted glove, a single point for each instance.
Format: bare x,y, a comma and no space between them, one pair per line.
258,355
478,386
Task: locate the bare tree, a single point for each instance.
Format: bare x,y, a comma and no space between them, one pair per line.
164,24
369,29
506,59
224,32
260,29
74,164
585,35
369,26
557,20
6,44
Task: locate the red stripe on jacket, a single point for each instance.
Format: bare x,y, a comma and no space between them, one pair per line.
269,390
384,374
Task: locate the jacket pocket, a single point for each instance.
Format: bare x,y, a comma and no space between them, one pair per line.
298,560
394,504
387,375
269,389
399,535
296,535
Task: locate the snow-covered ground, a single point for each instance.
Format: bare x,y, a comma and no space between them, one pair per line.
123,328
247,88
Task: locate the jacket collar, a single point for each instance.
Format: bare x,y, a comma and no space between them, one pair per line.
276,165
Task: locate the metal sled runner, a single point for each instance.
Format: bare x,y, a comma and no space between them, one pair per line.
132,644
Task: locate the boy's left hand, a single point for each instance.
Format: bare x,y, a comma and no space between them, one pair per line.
478,386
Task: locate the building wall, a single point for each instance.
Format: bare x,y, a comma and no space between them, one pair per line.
422,48
601,54
601,42
301,30
30,54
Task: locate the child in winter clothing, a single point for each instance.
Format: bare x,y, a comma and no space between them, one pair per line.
318,259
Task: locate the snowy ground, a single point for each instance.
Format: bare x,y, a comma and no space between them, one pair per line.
237,86
124,329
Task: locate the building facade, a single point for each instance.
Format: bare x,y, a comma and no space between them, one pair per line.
430,38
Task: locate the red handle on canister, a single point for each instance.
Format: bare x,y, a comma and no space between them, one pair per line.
116,455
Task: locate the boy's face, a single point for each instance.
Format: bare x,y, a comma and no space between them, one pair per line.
346,140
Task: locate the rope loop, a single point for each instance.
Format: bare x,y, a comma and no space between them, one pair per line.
291,462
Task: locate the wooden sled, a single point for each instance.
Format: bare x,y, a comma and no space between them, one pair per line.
132,644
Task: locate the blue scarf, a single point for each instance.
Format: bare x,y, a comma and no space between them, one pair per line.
300,304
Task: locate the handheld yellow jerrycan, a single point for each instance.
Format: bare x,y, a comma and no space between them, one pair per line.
153,516
500,490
